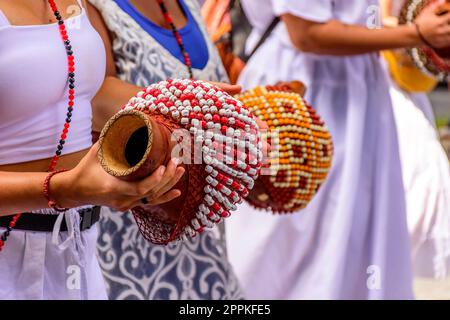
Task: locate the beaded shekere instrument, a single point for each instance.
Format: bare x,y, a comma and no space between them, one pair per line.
432,61
301,148
214,135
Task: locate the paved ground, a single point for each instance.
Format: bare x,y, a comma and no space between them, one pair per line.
440,99
430,289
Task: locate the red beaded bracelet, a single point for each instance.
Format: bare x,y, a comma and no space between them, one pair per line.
46,190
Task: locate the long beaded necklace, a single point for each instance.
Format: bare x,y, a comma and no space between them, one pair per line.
176,33
71,99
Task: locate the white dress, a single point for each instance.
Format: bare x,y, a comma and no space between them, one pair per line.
352,240
426,176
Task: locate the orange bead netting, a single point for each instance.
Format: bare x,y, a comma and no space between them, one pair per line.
301,154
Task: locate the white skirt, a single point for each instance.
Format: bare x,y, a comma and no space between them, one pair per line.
426,176
52,266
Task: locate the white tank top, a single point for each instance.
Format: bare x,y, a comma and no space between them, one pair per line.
34,87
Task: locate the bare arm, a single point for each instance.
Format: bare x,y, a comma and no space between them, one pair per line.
23,192
86,184
336,38
114,92
111,97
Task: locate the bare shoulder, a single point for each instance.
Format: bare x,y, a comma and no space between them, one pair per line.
19,11
95,17
13,6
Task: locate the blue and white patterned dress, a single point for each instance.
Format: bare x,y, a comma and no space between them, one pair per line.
134,268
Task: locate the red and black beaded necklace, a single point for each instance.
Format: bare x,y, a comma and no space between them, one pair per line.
176,33
71,99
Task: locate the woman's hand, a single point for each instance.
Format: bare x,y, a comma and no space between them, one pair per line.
231,89
88,183
435,29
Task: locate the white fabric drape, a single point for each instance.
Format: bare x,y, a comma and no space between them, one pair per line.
352,240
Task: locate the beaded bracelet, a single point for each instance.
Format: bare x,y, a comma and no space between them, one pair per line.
46,190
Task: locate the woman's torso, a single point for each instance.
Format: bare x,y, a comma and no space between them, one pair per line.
34,90
197,268
188,28
292,64
142,60
33,102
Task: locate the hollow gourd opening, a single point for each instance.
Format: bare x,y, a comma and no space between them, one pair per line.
126,143
136,146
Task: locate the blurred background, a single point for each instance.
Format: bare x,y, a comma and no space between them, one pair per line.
440,99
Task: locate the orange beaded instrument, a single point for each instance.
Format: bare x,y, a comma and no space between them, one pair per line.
302,149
